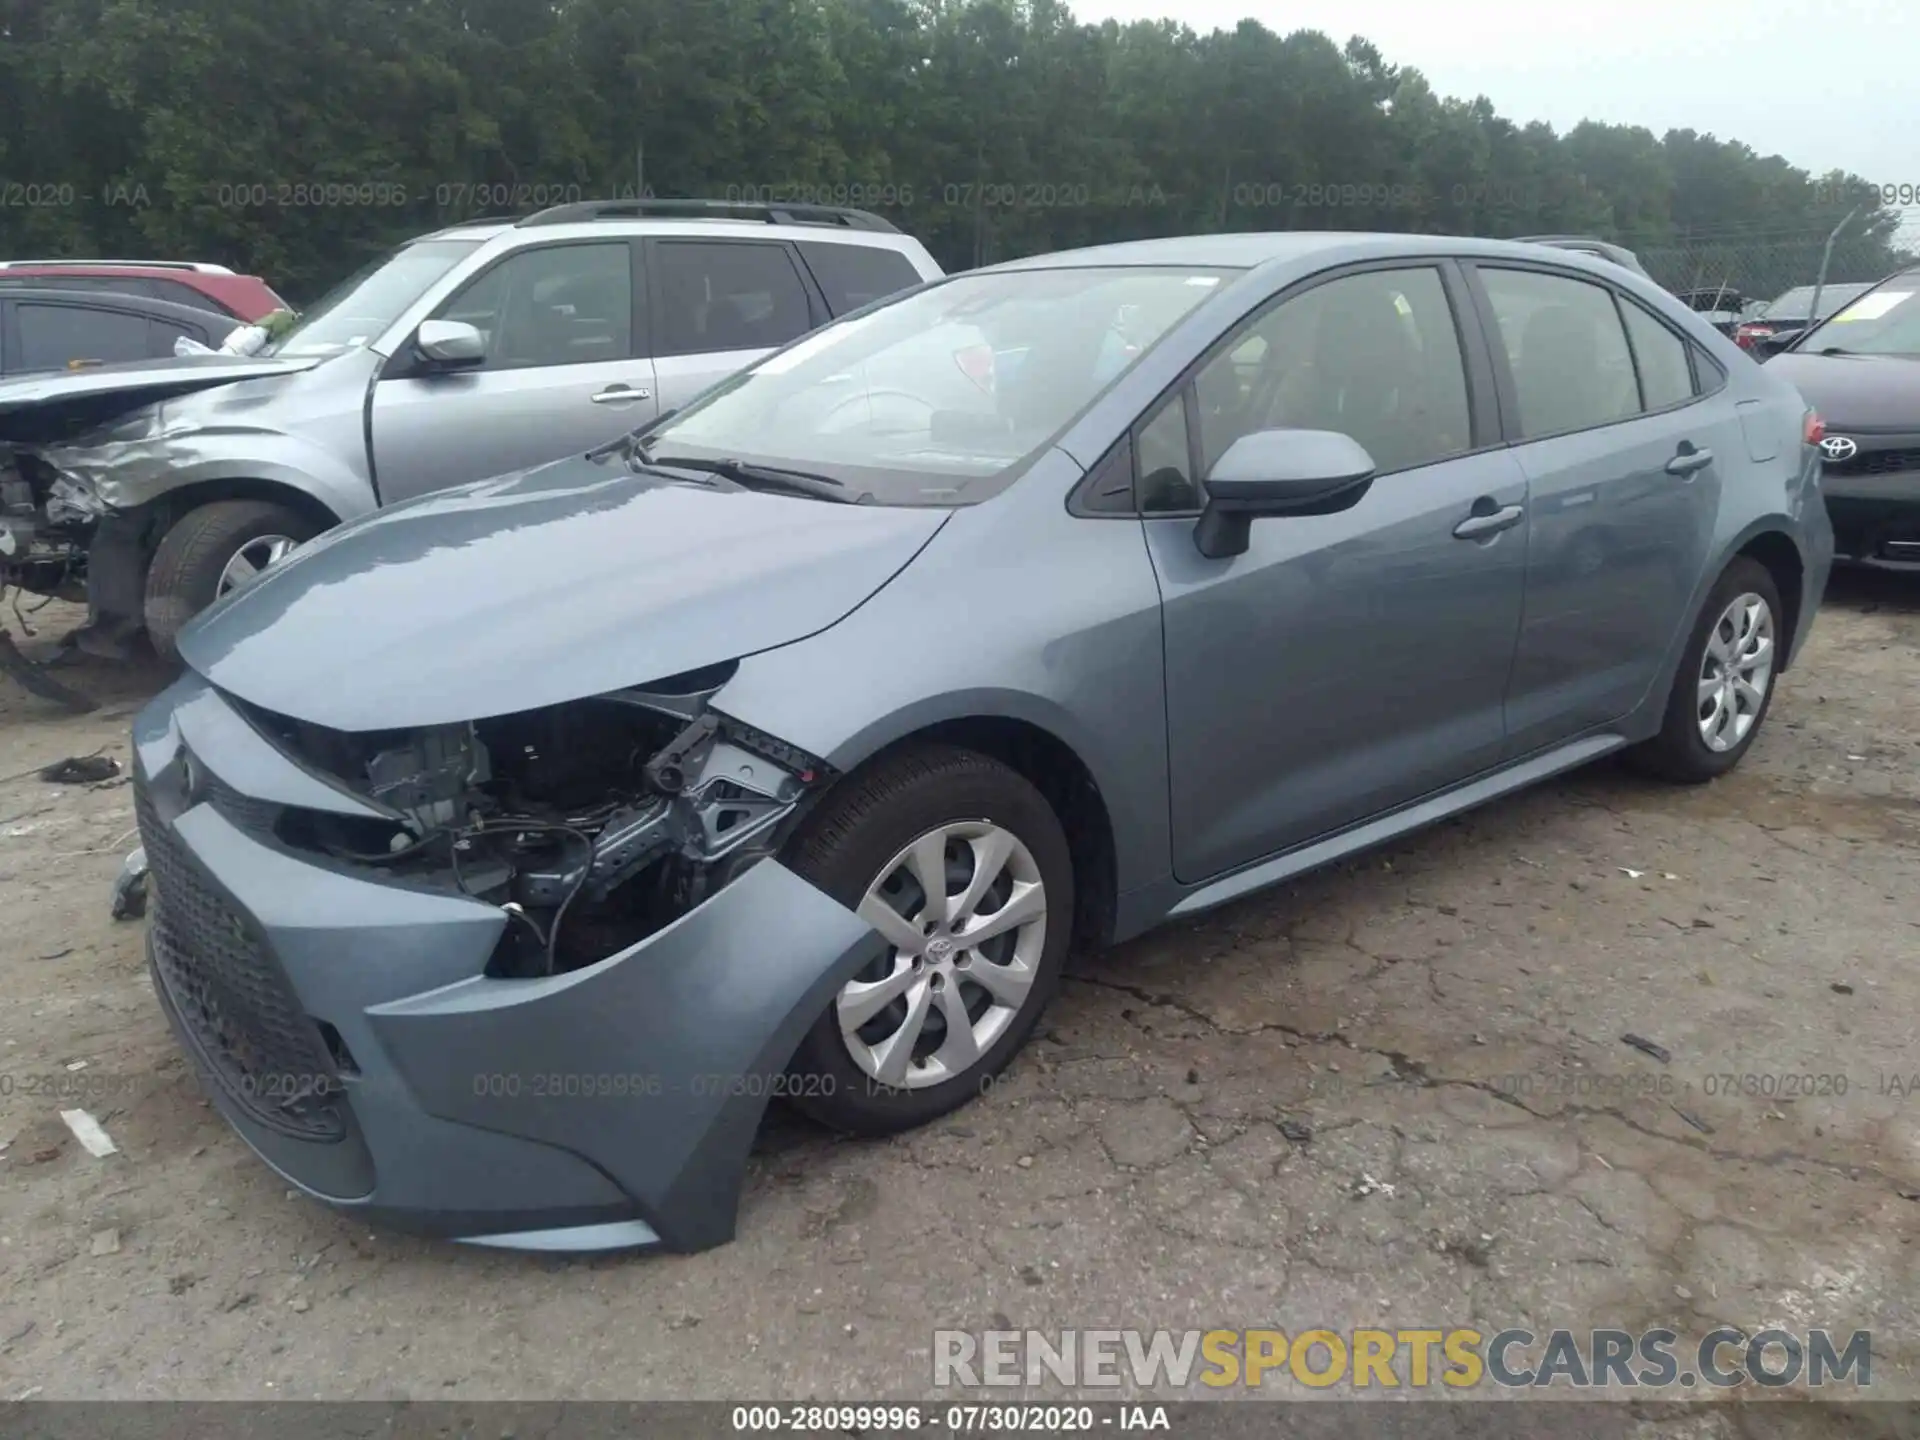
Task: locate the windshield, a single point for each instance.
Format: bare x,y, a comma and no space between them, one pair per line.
1797,304
1883,321
361,307
939,398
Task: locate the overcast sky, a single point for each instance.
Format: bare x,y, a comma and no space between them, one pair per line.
1722,67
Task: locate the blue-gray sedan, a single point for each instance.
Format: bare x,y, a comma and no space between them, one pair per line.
514,847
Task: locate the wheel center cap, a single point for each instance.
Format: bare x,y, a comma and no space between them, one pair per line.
939,949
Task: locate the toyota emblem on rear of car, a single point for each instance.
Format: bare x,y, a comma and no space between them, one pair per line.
1837,448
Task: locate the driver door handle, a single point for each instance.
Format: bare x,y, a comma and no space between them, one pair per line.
1689,460
620,395
1489,522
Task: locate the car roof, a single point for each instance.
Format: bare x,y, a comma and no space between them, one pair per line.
1245,250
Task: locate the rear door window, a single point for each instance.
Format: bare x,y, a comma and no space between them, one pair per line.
717,295
162,334
854,275
1566,348
52,337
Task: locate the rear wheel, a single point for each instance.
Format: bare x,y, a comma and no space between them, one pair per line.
963,867
1725,681
212,551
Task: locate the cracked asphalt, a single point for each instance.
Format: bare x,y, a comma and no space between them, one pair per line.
1394,1094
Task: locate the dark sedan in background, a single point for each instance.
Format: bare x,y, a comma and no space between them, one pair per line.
1861,371
47,328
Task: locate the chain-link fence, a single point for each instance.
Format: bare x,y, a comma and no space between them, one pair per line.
1753,270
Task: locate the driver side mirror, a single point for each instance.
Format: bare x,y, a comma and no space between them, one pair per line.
1279,472
450,344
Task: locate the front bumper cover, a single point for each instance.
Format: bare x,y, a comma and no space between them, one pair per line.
612,1106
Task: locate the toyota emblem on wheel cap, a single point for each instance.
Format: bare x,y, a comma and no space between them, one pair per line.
1838,447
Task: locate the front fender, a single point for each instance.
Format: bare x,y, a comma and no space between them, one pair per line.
128,474
1017,610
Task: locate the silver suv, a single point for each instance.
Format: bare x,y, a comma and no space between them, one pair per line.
475,351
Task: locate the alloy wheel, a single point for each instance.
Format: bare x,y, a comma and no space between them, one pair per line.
1735,672
252,558
964,912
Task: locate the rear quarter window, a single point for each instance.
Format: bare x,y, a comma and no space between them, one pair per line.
854,275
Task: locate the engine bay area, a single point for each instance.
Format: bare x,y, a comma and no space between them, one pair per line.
591,824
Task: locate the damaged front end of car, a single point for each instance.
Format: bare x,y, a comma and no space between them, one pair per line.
46,523
591,824
529,981
88,460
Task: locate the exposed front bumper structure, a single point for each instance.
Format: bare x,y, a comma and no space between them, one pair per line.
344,1023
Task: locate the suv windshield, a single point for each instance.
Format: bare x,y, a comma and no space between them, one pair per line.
939,397
361,307
1884,321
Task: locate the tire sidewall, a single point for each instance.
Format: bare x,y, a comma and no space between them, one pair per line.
988,792
173,600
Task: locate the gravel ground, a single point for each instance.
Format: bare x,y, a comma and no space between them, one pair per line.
1392,1094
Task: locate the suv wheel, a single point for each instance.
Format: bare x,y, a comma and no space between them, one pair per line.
964,868
212,551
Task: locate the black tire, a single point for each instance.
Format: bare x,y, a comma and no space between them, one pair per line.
184,577
863,823
1679,753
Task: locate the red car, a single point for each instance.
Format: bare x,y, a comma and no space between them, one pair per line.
211,287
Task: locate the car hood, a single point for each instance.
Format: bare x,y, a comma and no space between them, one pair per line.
550,585
1855,392
40,409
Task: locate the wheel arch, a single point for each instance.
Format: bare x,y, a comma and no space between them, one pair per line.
1056,769
1769,542
175,503
1778,553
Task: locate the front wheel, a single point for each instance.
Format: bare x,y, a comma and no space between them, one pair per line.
212,551
964,869
1724,685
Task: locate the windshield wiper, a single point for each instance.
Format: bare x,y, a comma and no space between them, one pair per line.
767,477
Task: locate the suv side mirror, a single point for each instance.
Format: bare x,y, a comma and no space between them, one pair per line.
1279,472
450,344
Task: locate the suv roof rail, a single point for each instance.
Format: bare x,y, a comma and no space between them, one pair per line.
198,266
472,222
747,210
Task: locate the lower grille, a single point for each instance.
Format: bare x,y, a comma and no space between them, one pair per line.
264,1051
1876,462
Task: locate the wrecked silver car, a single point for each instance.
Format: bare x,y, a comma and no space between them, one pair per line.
513,847
154,489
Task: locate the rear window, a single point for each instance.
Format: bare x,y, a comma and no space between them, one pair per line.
854,275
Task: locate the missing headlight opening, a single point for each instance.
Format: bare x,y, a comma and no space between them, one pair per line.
591,824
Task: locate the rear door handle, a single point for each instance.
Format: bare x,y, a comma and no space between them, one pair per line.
1490,522
620,395
1688,460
